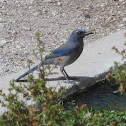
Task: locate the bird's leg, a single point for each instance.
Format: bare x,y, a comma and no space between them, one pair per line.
68,78
64,73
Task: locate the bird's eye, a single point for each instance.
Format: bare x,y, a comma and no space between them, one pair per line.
79,32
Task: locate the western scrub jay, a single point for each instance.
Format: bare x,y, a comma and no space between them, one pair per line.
66,54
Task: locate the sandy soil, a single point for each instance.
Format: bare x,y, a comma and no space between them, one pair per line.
55,19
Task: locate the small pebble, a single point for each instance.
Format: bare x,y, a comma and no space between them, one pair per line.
2,42
124,19
121,0
59,3
87,16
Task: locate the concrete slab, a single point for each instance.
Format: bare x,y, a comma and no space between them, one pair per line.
96,59
94,62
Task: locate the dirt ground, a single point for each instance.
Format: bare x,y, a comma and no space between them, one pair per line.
55,20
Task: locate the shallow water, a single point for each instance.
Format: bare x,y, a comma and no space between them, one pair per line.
102,96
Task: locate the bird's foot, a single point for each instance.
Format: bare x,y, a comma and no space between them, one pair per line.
71,82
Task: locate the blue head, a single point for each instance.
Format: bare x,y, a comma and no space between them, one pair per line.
78,35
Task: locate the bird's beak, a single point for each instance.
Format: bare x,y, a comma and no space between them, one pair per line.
88,33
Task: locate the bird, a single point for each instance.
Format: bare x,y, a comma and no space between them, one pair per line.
66,54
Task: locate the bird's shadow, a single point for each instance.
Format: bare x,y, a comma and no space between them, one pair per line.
61,78
50,79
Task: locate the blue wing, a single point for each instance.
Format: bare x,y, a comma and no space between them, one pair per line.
63,50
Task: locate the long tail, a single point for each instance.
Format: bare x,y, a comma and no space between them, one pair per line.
29,71
48,61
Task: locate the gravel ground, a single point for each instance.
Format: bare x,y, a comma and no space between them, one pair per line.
55,19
